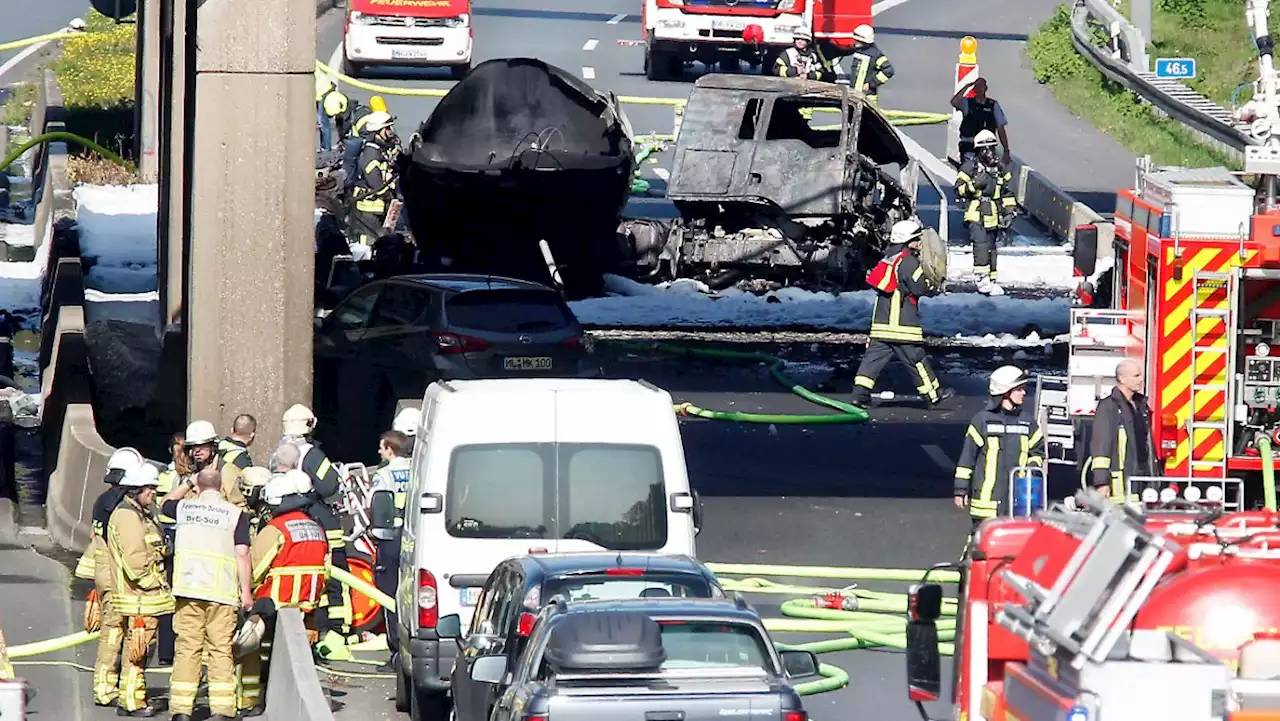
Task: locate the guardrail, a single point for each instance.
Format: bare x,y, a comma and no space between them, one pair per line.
1126,63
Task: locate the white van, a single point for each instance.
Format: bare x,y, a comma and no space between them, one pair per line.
507,467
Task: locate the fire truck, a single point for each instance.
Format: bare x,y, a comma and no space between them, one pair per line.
727,32
1104,611
1194,296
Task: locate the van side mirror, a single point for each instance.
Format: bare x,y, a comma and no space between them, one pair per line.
489,669
798,664
449,626
924,664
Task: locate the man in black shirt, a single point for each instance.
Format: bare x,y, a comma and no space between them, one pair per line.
977,114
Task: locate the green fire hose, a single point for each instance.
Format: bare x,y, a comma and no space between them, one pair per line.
1268,472
61,137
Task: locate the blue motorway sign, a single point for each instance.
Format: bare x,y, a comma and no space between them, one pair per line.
1176,68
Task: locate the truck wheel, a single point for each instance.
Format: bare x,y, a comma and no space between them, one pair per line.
402,688
351,68
428,706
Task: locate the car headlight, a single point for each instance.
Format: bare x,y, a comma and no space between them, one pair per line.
458,22
358,18
787,6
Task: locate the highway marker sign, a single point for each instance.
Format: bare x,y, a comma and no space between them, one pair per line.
1176,68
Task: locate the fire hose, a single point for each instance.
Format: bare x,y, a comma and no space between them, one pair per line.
1268,472
62,137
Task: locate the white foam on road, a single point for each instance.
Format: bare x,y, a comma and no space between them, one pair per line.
118,234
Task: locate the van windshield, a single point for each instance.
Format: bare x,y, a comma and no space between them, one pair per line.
610,495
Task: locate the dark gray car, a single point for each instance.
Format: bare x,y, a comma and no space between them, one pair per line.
392,338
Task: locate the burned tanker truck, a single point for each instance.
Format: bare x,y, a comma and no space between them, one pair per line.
524,170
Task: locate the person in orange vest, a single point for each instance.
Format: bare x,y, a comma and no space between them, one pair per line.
288,556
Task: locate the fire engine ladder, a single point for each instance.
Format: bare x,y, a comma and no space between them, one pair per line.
1205,285
1099,591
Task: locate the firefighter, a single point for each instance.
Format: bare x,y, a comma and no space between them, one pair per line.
375,179
299,424
136,552
330,103
872,68
94,566
999,439
200,443
987,188
355,137
389,491
895,320
211,585
804,59
178,471
288,558
255,480
1121,446
234,449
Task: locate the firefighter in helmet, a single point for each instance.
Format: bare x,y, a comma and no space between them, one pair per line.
288,557
1002,437
94,565
136,549
986,188
334,624
900,283
375,179
871,67
201,445
804,59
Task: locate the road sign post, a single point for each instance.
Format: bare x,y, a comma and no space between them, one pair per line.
1176,68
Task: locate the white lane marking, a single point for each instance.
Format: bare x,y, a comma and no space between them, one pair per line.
886,5
589,73
936,454
616,19
25,53
662,173
590,44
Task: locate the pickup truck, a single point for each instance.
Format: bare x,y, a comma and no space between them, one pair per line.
648,659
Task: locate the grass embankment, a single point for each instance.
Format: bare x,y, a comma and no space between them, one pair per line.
1211,31
96,76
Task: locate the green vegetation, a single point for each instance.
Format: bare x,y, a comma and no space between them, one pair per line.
1108,106
96,75
17,107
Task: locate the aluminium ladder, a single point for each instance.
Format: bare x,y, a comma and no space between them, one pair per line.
1212,299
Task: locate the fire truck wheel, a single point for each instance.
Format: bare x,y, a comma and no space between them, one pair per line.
352,69
366,614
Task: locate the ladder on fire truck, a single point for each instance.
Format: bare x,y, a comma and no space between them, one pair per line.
1212,338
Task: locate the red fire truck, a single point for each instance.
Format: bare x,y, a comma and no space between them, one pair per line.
1195,296
677,32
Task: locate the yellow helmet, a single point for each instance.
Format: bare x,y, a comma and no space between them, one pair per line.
377,104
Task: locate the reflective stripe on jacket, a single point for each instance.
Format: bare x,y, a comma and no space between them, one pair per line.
985,206
895,317
996,442
289,561
234,453
204,554
871,67
813,65
136,549
1113,448
168,479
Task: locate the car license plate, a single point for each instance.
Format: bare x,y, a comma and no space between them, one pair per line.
408,54
468,596
526,364
733,25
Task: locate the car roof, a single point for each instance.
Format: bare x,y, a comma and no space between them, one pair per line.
560,563
671,607
640,390
464,282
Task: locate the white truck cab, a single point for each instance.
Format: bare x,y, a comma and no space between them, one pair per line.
424,33
508,467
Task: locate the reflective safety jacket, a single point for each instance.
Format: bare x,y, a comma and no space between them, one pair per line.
136,551
871,67
328,97
325,480
92,565
289,561
231,490
996,442
235,453
393,479
895,317
375,182
1121,446
168,480
988,191
204,553
812,64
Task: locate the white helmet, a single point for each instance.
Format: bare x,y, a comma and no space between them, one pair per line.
141,476
1005,379
299,481
801,34
864,34
249,636
905,231
124,459
984,139
373,122
286,484
200,433
255,476
298,420
407,421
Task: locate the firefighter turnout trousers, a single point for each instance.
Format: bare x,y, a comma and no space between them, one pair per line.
106,673
335,605
911,355
365,227
141,594
989,198
204,630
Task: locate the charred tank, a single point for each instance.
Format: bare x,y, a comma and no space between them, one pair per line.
517,153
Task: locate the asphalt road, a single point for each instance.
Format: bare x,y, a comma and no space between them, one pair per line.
34,18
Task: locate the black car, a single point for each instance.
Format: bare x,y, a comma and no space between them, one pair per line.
392,338
519,587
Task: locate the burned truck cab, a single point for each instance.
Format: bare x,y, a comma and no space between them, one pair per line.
784,179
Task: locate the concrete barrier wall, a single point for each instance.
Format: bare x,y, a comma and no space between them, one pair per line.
1056,209
49,170
293,688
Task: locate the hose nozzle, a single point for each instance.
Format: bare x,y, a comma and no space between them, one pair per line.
836,602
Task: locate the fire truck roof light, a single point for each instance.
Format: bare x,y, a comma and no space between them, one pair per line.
1213,494
1168,495
1191,494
